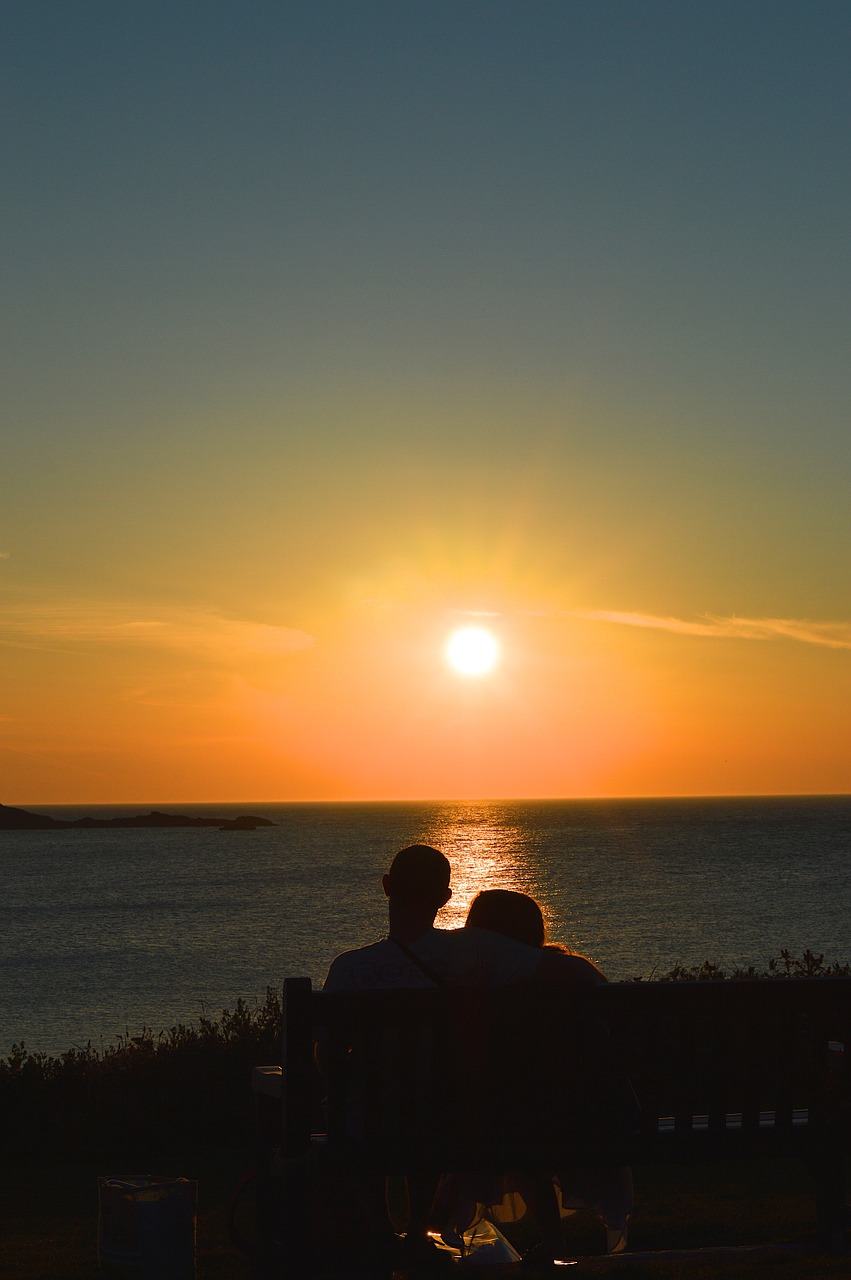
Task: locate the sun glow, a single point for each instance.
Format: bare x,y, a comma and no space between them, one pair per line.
472,651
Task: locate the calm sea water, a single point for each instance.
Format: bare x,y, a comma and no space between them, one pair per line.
103,932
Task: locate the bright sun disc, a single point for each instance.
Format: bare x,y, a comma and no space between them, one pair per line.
472,651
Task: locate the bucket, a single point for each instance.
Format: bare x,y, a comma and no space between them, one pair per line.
146,1227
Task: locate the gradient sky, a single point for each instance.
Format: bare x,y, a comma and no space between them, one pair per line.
329,327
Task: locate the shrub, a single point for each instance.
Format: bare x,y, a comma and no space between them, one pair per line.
809,965
189,1085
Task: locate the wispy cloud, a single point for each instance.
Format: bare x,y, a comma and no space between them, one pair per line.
5,555
202,633
831,635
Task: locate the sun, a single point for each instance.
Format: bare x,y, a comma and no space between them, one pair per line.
472,651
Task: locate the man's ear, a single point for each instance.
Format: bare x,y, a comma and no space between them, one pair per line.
385,884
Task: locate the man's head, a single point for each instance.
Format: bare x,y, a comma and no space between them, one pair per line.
418,877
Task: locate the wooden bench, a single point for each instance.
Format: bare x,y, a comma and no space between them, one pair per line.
476,1081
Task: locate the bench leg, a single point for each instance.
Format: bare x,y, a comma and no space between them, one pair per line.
267,1263
829,1174
296,1217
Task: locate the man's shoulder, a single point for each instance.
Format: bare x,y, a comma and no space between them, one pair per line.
373,967
479,957
351,962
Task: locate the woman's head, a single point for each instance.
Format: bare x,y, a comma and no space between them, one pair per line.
506,911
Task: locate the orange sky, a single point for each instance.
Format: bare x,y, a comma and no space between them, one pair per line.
176,706
332,328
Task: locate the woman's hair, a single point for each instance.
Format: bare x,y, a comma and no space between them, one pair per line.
506,911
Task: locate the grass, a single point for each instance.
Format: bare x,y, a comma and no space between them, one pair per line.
50,1227
50,1217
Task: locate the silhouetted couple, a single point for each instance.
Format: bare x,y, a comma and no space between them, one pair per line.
503,942
485,952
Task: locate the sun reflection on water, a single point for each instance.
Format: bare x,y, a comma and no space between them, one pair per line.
487,851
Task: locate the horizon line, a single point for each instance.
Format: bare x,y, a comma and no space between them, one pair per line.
586,799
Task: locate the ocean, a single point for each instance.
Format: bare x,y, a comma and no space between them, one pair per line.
103,932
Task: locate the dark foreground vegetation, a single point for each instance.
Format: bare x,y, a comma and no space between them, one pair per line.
178,1103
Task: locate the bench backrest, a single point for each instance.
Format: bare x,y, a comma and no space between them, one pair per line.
529,1077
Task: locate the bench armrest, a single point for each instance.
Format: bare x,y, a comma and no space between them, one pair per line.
268,1081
